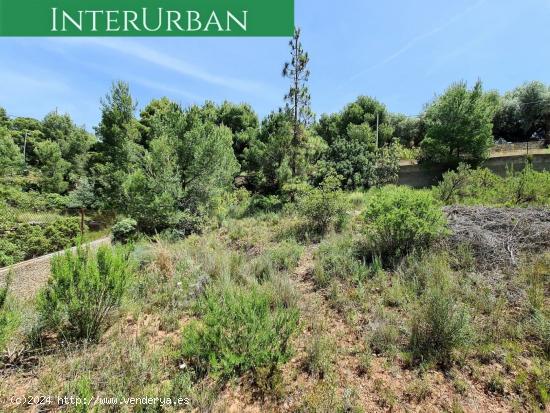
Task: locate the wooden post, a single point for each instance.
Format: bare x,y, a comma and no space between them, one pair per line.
81,223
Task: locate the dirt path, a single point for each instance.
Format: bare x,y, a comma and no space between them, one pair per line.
385,387
28,276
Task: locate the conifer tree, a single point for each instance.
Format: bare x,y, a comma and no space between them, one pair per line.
298,99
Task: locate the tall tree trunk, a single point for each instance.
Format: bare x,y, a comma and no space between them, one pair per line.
296,120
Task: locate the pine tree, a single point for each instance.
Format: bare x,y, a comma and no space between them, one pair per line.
298,99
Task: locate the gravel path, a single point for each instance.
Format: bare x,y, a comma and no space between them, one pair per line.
29,276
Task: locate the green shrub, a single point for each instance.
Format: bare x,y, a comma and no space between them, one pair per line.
285,255
31,240
124,230
439,326
261,203
324,208
239,331
336,259
320,352
62,233
83,290
400,219
385,338
483,187
540,329
10,253
7,317
25,241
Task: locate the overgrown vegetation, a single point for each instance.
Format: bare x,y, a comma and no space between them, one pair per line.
8,317
251,277
239,331
84,289
400,219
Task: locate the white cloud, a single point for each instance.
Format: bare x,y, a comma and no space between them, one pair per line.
150,55
411,43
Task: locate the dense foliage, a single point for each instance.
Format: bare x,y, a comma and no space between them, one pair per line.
239,330
8,318
400,219
84,289
459,126
482,187
28,240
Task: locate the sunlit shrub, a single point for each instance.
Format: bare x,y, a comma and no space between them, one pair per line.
239,331
324,208
400,219
439,326
84,288
124,230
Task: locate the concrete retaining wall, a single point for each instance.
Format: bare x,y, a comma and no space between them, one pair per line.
417,176
27,277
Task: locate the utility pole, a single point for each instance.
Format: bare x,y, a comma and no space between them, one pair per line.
377,127
25,150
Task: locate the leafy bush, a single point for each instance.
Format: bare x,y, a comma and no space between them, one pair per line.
7,317
400,219
320,353
83,290
285,255
62,233
483,187
239,331
9,253
336,259
324,208
124,230
439,326
261,203
25,241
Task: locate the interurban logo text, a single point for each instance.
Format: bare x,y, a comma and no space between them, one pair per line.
146,18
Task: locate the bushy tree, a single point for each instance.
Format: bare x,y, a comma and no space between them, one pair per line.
113,154
73,141
507,123
4,118
459,126
534,104
27,133
188,161
268,159
53,168
352,150
154,190
409,130
363,111
11,158
243,123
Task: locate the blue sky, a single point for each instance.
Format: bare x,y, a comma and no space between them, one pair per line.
402,52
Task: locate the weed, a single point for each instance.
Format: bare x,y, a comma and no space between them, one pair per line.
320,353
495,384
439,326
419,390
238,332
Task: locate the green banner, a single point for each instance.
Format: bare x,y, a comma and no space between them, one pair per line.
146,17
